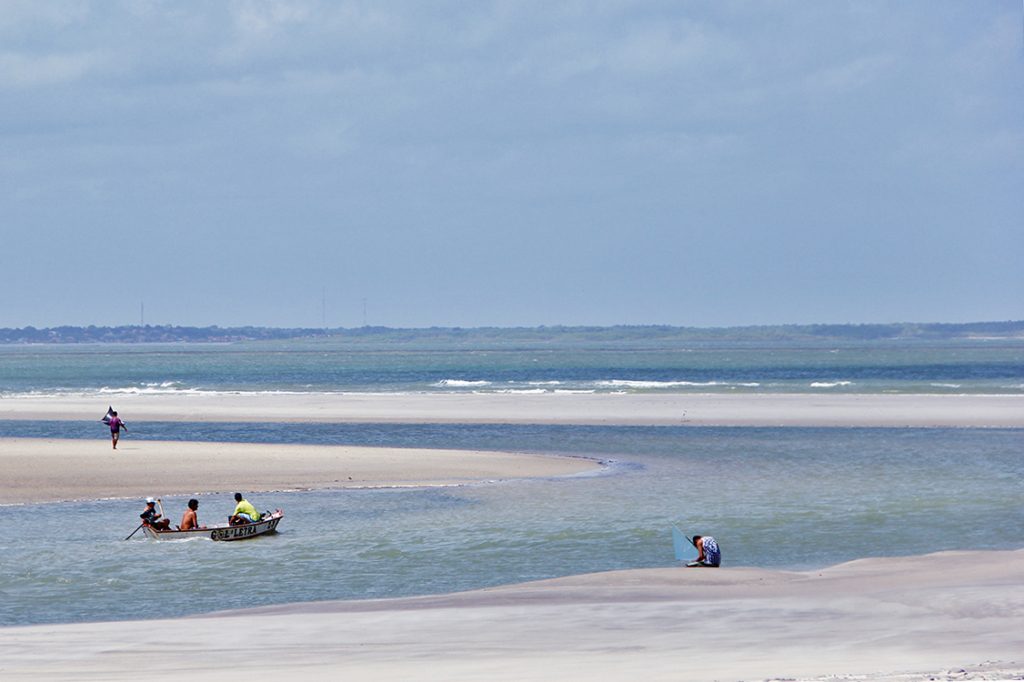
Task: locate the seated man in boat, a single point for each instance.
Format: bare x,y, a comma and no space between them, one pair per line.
151,517
244,512
190,521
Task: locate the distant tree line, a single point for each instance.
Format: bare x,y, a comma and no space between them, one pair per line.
150,334
505,337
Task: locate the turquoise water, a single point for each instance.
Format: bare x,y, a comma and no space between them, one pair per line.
788,498
325,366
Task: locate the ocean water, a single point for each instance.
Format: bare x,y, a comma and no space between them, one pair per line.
995,367
790,498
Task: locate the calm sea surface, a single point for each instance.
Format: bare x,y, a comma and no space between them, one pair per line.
789,498
325,366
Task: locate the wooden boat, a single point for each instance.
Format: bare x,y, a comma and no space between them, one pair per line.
266,524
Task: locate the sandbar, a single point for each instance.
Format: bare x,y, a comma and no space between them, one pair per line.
707,409
945,616
48,470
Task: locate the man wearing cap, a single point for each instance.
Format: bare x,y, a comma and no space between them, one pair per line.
151,517
244,512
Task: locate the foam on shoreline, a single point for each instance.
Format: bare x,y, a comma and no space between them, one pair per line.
706,409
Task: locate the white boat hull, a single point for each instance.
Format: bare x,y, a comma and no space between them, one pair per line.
226,533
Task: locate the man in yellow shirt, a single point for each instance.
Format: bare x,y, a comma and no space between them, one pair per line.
244,512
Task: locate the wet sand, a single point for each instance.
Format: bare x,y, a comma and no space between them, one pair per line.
947,616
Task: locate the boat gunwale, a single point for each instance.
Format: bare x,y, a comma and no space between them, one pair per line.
269,519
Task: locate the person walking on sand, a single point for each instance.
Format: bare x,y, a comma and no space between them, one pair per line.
708,553
190,520
244,512
115,428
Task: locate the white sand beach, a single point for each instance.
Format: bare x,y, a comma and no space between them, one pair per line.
48,470
778,409
947,616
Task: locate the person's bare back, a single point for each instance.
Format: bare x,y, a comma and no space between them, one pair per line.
190,519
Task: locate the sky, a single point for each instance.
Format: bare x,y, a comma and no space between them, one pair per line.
408,164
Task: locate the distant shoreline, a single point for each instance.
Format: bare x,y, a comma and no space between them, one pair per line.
455,337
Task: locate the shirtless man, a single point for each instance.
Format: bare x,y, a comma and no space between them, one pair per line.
190,520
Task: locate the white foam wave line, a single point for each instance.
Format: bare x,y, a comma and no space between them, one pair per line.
514,391
147,390
632,383
461,383
106,391
212,394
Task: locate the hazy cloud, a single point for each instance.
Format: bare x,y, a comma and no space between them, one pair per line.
582,162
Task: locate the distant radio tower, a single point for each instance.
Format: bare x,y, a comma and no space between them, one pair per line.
142,313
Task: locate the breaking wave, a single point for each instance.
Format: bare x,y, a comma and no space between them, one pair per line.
630,383
461,383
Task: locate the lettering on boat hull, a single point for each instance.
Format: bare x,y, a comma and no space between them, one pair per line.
268,524
247,531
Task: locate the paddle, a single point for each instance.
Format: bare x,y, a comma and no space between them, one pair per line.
136,530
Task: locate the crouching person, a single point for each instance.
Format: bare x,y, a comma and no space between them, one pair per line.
244,512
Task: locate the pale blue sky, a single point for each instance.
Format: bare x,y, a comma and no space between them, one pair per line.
510,163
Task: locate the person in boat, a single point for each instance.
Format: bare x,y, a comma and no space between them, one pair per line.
190,520
115,428
244,512
152,518
708,553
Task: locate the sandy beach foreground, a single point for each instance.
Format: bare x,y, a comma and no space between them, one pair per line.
947,616
776,409
47,470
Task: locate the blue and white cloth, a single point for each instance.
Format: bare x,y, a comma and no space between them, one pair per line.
712,555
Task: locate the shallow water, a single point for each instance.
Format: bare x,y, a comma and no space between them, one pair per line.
789,498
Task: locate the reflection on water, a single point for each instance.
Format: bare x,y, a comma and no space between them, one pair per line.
773,497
